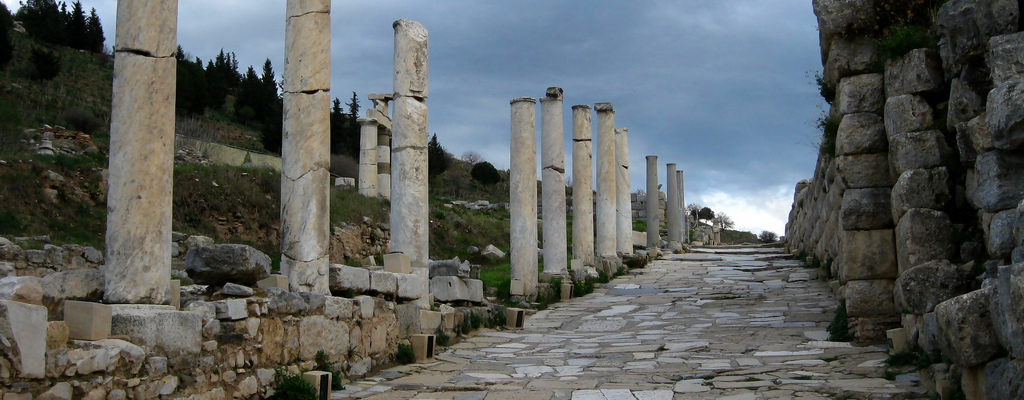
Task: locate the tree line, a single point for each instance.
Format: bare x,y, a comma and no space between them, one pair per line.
52,22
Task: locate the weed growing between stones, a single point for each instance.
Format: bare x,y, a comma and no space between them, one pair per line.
827,92
915,357
442,338
902,39
476,320
291,386
404,354
839,329
496,320
829,130
324,363
582,288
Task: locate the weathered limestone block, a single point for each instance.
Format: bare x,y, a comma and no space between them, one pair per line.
980,137
923,235
849,56
383,282
523,193
866,209
411,287
24,289
1007,301
397,263
865,170
907,113
868,298
1004,115
623,206
861,133
967,327
964,103
920,188
232,310
453,288
1004,379
273,281
148,28
838,16
307,46
582,185
964,27
23,327
1004,58
553,182
859,94
999,240
918,150
410,78
223,263
87,321
1000,185
606,181
867,255
920,288
175,333
409,197
317,332
918,71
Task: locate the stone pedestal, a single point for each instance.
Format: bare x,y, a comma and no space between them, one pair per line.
321,382
305,149
553,184
409,197
367,157
606,182
582,186
515,318
397,263
623,205
674,219
422,347
653,222
87,321
523,194
138,237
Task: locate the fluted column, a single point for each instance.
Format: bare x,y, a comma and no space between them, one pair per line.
653,222
409,196
582,186
523,193
138,237
623,205
606,181
674,231
367,157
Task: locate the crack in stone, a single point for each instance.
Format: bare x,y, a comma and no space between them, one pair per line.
308,13
308,171
140,52
309,91
556,169
290,258
581,140
399,149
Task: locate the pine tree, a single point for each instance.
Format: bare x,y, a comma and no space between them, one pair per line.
77,36
94,32
43,19
6,47
437,158
353,106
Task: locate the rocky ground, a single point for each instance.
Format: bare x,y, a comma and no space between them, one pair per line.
717,324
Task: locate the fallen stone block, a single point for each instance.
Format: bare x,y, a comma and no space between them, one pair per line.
79,284
176,333
232,310
491,252
430,321
897,339
232,289
23,327
320,380
453,288
223,263
515,318
24,289
967,327
87,321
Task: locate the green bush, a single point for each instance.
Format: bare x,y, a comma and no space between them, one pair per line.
827,92
839,329
902,39
291,386
46,65
404,354
476,320
485,173
442,338
829,130
324,363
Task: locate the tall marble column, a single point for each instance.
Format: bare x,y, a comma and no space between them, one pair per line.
367,157
582,186
683,226
552,154
653,222
384,163
138,237
674,231
409,197
305,149
623,205
523,194
606,181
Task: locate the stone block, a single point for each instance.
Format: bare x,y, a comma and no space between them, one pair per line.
867,255
338,307
273,281
430,321
79,284
23,327
920,288
869,298
231,289
999,240
849,56
965,103
918,71
491,252
86,320
176,333
321,382
232,310
1000,185
223,263
897,339
1004,379
866,209
966,324
397,263
516,287
862,133
317,333
56,335
367,305
920,188
474,290
566,291
865,170
907,113
964,27
423,347
174,294
24,289
515,318
344,277
859,94
1007,301
918,150
1004,57
923,235
1004,115
451,288
411,287
383,282
980,138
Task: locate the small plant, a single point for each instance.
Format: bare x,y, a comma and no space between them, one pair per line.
496,320
602,277
291,386
476,320
829,130
916,358
583,288
465,327
827,92
324,363
404,354
902,39
442,338
839,329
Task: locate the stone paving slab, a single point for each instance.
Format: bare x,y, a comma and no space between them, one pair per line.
731,326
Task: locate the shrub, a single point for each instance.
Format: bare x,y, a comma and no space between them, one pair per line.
476,320
829,130
442,338
46,65
81,120
485,173
291,386
902,39
404,354
324,363
827,92
767,237
839,329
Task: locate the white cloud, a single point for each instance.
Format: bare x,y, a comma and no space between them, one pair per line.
765,209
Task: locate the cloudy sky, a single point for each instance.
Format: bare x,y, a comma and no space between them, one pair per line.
720,87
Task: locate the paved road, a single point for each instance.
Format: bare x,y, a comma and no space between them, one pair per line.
718,324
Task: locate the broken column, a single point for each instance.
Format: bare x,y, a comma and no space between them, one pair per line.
305,149
523,196
606,185
684,228
582,187
553,184
653,222
367,157
138,237
623,206
674,230
409,198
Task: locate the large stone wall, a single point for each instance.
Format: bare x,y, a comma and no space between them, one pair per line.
917,209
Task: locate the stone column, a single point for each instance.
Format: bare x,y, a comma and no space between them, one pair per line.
409,197
138,238
674,230
684,225
523,194
582,186
384,163
305,149
552,153
653,222
367,157
606,185
623,205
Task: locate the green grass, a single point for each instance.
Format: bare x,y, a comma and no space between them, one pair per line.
902,39
404,354
839,329
349,206
639,226
829,131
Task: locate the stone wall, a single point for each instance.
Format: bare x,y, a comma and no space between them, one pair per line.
916,206
227,155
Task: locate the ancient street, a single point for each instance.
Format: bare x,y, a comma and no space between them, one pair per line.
727,323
